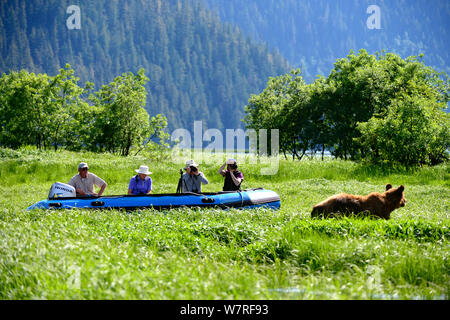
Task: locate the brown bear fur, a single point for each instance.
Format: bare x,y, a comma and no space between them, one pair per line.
377,204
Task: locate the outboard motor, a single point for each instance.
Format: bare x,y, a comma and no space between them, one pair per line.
61,190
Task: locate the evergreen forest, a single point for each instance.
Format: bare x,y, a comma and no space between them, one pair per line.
198,67
313,34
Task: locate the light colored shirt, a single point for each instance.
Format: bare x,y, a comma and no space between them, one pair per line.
86,184
193,183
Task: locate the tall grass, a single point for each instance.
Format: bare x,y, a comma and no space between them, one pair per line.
215,254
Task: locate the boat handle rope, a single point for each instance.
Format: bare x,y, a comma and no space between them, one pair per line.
242,198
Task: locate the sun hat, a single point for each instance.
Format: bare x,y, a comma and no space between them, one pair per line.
191,163
231,161
83,165
143,170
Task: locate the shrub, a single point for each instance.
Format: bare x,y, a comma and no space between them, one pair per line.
414,132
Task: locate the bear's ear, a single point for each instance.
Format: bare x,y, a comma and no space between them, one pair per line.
401,188
388,186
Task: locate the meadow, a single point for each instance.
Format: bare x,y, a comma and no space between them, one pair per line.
216,254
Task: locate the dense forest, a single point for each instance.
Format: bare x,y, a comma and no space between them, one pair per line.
204,58
199,68
313,34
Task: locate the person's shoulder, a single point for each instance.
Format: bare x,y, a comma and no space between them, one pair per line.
93,175
75,177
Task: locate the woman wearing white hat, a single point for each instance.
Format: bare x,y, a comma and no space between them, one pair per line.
141,183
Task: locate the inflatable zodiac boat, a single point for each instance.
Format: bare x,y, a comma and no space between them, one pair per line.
62,196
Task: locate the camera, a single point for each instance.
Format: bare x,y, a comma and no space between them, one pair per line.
193,169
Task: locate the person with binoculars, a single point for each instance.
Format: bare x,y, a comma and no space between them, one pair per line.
233,177
193,179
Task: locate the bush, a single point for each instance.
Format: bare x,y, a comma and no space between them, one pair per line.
414,132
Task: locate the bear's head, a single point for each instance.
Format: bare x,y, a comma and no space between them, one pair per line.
395,196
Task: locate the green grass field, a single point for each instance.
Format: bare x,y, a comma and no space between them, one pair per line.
214,254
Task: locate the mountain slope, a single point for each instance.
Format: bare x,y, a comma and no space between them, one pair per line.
199,68
312,34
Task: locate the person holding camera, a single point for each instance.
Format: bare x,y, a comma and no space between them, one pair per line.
193,179
233,177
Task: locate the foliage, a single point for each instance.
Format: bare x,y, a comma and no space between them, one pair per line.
218,254
414,131
40,110
200,68
294,107
268,109
331,113
21,108
121,120
55,112
366,86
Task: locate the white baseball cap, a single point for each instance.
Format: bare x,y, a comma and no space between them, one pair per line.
83,165
191,163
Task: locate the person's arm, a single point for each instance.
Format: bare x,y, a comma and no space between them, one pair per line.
80,192
237,181
102,189
222,169
131,186
149,186
73,184
203,178
100,183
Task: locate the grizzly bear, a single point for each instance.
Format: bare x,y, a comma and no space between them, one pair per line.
376,204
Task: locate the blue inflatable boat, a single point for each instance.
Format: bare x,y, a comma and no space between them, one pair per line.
252,198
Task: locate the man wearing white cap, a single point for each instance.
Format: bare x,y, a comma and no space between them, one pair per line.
141,183
193,179
84,181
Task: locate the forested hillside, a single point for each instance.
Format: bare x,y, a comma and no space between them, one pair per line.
312,34
199,68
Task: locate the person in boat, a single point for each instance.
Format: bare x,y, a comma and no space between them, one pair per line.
193,179
233,177
141,183
84,182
